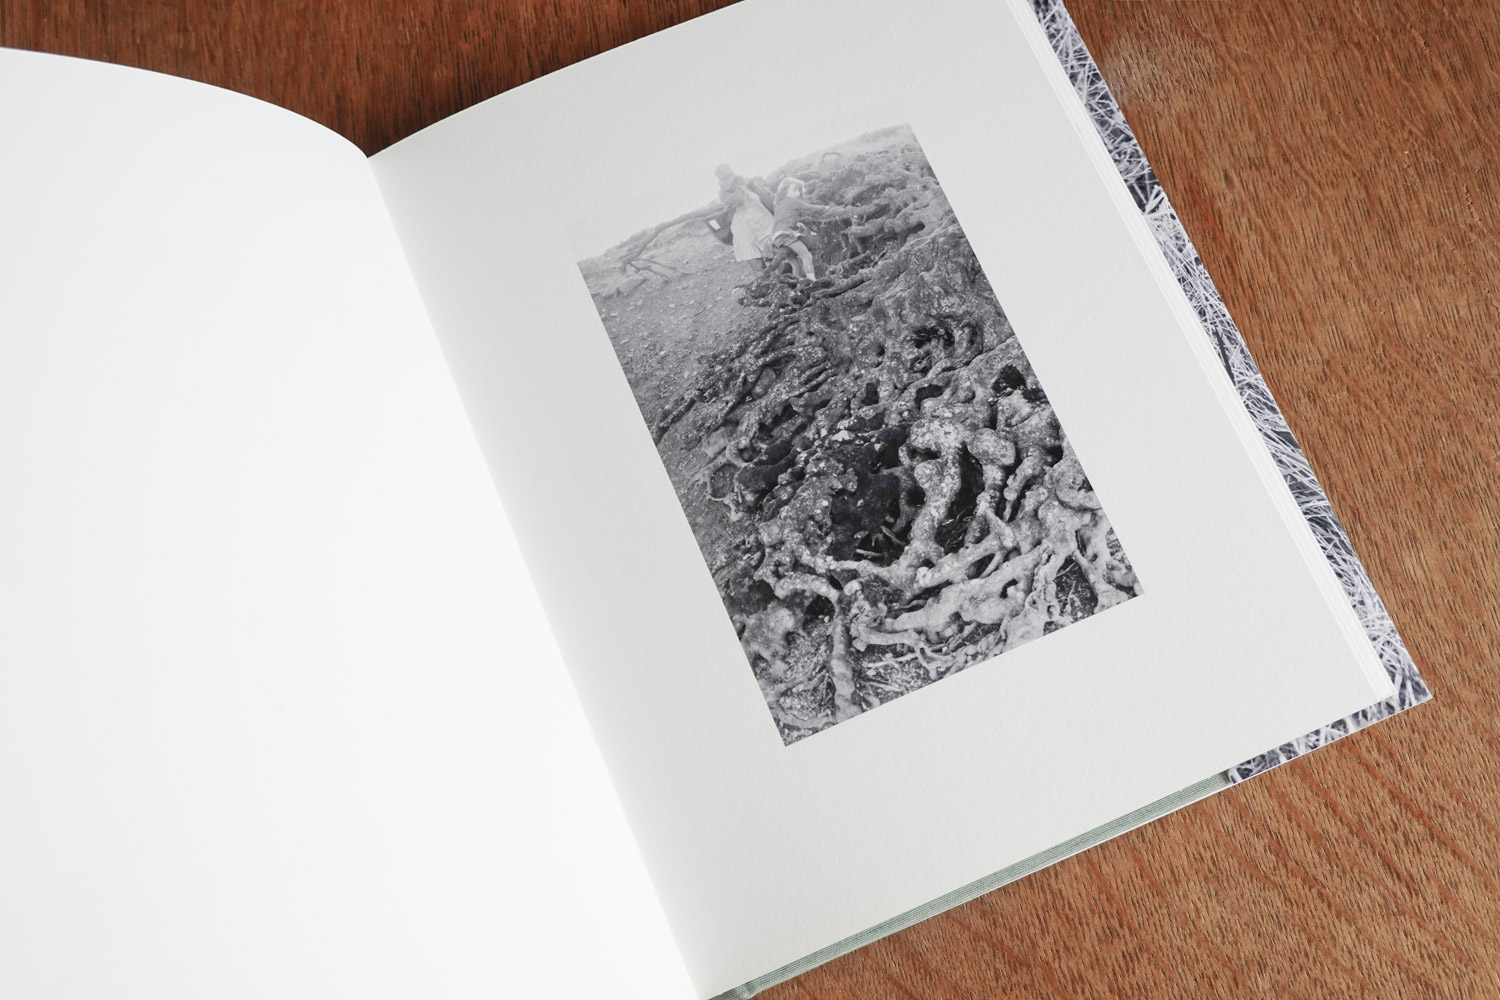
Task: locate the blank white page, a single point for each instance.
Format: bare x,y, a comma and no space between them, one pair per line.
279,715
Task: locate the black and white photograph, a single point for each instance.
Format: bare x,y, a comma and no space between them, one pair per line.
875,477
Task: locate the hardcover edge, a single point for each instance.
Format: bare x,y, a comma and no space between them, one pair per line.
974,890
1230,347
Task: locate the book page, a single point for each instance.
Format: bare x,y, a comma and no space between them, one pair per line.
279,715
894,519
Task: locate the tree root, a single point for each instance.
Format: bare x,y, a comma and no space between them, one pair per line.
908,504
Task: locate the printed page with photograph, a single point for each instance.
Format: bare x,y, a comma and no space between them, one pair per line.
905,504
855,453
894,517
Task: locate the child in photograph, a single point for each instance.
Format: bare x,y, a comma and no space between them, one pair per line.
786,225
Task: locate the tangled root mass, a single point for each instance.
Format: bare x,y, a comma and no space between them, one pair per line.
902,501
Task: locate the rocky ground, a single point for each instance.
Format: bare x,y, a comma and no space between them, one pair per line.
876,479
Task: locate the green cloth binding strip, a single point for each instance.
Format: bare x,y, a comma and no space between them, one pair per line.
973,890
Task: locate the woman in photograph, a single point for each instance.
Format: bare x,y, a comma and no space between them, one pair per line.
749,218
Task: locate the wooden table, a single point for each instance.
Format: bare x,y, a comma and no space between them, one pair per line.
1338,166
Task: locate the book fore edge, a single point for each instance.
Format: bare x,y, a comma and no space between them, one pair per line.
1234,354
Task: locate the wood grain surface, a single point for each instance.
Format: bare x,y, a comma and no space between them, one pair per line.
1338,166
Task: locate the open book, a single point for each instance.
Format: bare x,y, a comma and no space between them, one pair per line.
901,512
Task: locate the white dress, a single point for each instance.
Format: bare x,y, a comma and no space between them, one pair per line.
750,226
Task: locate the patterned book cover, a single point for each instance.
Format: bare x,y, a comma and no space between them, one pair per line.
1178,250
